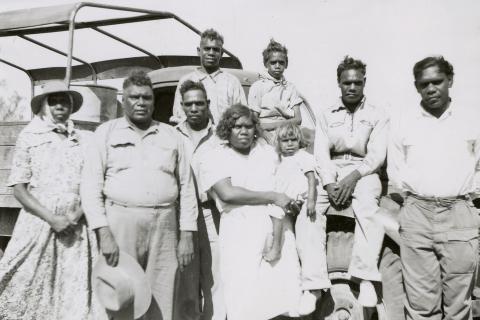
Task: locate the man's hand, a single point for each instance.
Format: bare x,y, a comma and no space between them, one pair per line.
108,246
346,187
332,190
61,225
185,249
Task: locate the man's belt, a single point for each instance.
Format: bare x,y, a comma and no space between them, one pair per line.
147,206
345,156
442,201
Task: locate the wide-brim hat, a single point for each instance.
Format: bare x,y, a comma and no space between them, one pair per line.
56,87
118,288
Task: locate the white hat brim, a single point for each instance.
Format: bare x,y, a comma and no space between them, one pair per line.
141,286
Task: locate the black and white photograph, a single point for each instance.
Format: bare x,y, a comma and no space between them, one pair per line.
229,160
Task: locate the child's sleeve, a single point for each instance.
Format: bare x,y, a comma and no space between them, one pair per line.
295,98
307,161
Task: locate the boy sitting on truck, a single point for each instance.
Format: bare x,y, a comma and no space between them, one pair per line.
275,99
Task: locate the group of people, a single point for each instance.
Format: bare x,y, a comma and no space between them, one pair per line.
225,211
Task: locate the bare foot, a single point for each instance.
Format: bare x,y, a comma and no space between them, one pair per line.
273,254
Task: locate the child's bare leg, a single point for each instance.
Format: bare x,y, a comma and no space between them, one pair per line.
273,253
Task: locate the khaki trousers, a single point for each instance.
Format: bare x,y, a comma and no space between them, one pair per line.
439,247
150,235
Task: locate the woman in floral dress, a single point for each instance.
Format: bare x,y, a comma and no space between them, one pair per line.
45,271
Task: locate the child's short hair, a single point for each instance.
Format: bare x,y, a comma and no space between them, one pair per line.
274,46
289,130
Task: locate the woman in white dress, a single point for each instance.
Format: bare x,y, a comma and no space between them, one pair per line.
240,176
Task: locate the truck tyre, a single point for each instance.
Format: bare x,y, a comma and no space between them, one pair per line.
340,303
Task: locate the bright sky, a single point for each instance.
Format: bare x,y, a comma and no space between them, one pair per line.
389,36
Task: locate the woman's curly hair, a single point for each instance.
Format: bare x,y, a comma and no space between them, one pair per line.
231,115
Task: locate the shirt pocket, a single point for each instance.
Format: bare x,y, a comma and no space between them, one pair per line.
469,143
336,119
365,126
410,144
120,154
162,157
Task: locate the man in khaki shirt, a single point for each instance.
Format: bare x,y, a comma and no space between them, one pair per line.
350,147
223,88
134,179
200,139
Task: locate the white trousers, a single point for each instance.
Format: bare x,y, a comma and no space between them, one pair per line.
369,235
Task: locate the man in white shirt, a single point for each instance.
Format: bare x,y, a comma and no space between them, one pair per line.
223,88
350,148
199,138
433,158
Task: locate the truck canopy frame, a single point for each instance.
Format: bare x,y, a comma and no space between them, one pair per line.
25,22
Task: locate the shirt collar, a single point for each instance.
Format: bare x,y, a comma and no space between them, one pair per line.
266,76
123,123
184,127
201,74
447,114
341,105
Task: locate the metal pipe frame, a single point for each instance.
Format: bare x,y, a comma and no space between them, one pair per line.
24,70
41,44
71,26
83,25
108,34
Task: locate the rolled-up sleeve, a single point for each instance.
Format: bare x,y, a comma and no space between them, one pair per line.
325,167
295,98
93,179
376,146
188,199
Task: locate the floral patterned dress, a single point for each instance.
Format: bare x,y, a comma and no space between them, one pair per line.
44,275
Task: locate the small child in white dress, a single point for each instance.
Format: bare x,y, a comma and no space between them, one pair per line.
297,179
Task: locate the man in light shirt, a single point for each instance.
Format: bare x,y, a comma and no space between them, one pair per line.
350,148
200,139
433,158
223,88
136,176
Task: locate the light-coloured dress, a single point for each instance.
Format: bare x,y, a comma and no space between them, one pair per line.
254,289
44,275
310,234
